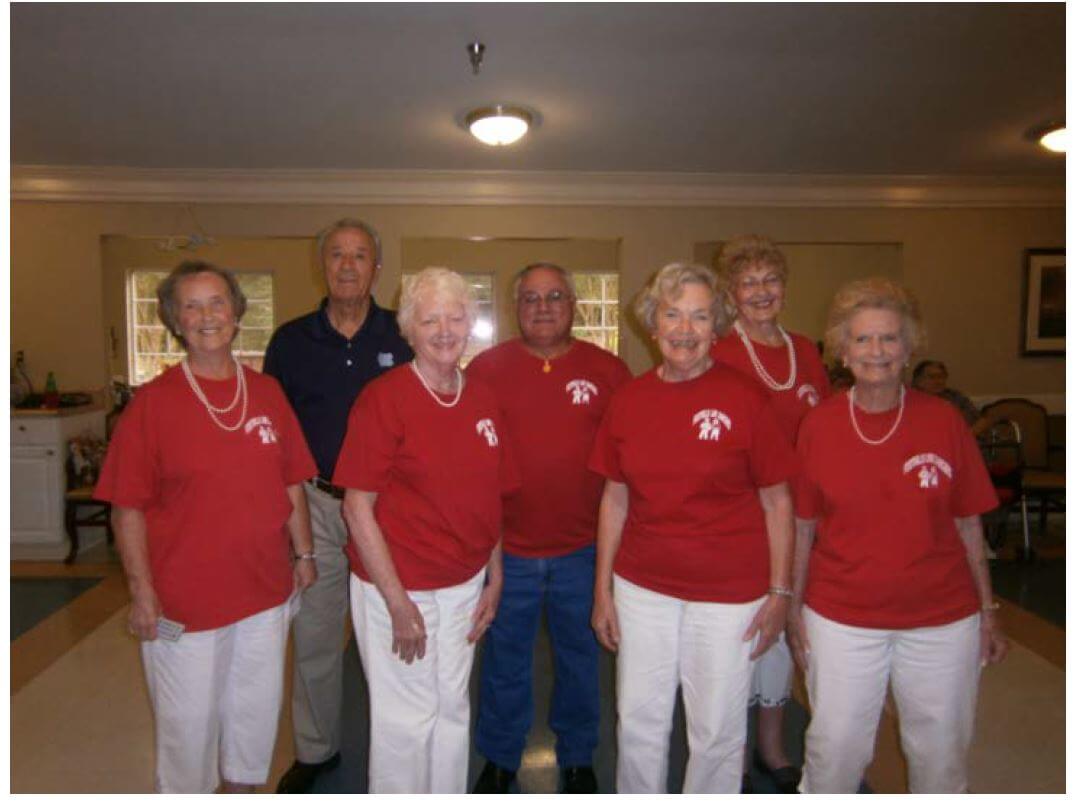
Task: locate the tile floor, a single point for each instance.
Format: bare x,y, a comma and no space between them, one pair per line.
80,719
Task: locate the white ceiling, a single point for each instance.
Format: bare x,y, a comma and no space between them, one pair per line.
855,89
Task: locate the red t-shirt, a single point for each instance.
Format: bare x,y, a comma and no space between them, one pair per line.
692,455
550,420
887,553
215,502
438,473
792,404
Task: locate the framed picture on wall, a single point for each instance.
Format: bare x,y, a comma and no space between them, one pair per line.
1044,305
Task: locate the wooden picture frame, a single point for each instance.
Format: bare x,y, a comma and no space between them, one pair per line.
1044,306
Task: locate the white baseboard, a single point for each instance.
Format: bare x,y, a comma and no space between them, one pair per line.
39,552
88,538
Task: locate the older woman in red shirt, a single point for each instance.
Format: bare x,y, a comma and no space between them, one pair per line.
693,541
424,468
205,475
891,579
789,368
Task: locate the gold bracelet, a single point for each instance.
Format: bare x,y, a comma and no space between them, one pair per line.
306,555
776,590
991,607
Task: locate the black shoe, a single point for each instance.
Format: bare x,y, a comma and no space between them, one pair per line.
747,785
579,780
494,780
299,778
786,778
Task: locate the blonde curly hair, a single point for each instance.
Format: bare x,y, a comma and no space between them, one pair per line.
746,251
873,293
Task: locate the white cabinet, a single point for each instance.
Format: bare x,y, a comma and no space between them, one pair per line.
38,452
37,481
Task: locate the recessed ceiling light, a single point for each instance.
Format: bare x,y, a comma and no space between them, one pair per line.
1055,140
499,125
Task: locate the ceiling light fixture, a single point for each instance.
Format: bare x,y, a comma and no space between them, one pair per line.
476,51
1051,135
499,125
1055,140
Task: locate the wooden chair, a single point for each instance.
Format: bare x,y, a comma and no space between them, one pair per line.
1041,482
83,466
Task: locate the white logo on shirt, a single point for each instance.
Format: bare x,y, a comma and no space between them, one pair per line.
712,422
485,427
386,359
581,391
264,428
810,394
929,466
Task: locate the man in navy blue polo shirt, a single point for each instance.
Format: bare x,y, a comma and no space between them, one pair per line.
323,360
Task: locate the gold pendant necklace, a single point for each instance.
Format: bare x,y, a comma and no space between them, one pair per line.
547,365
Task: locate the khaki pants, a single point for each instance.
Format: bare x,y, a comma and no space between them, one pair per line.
319,637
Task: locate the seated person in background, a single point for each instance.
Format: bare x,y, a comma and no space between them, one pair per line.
840,378
930,376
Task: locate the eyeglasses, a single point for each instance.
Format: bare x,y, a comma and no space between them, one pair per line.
750,283
554,297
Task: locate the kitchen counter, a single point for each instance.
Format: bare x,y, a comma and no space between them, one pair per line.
61,412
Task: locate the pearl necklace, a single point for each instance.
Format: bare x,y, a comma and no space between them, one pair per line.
898,418
240,392
433,393
757,366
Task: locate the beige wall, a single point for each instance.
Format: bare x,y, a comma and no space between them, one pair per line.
816,271
965,265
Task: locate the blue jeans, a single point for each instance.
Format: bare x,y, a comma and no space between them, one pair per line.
564,587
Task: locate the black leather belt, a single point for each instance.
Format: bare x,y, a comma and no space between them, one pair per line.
327,487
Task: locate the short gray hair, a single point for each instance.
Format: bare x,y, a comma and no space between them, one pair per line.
345,223
433,281
568,279
667,284
168,304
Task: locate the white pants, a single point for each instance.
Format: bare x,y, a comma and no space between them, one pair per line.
934,673
216,699
771,686
665,641
419,733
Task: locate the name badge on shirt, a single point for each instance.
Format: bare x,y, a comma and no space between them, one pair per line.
386,359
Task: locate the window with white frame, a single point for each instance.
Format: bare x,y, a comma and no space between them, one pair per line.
483,333
596,311
151,348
